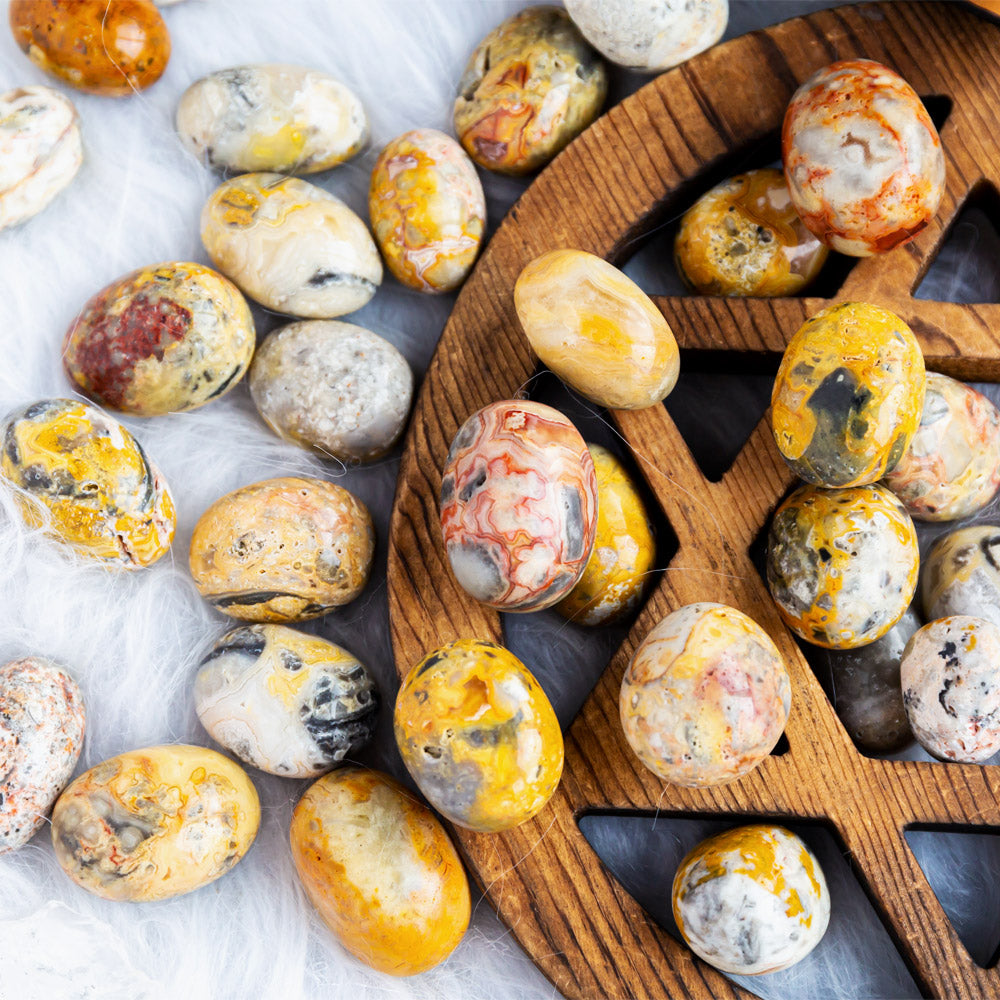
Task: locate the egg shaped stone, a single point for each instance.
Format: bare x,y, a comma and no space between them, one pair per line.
518,505
650,35
618,571
478,735
596,329
751,900
705,697
112,49
961,574
161,339
42,723
863,159
40,150
427,209
282,550
274,117
745,238
288,703
530,86
848,395
842,564
334,387
102,495
952,468
380,870
155,823
951,688
291,246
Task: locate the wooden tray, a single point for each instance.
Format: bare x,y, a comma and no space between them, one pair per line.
639,164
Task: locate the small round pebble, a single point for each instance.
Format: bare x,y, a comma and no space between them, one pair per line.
951,688
334,387
961,574
288,703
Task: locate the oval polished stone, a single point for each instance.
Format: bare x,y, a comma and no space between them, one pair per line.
334,387
42,722
380,870
287,119
161,339
104,497
290,245
40,150
113,49
282,550
961,574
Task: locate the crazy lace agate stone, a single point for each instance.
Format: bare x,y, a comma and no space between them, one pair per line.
961,574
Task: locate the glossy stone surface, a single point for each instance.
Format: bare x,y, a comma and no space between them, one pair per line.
103,495
380,870
848,396
282,550
842,564
286,119
650,35
951,688
952,468
961,574
705,697
618,571
427,209
596,329
530,86
291,246
155,823
334,387
744,237
518,505
40,150
113,49
478,735
751,900
285,702
161,339
42,723
862,157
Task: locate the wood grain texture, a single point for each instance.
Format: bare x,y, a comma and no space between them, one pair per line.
639,164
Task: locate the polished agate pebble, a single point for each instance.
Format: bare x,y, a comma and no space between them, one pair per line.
427,209
40,150
751,900
744,237
155,823
863,159
705,697
380,870
161,339
596,329
288,703
42,722
478,735
113,49
951,688
842,564
616,575
848,396
286,119
334,387
961,575
650,35
952,468
282,550
518,505
103,496
291,246
530,86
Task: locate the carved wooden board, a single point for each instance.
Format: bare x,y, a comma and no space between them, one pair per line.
642,162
